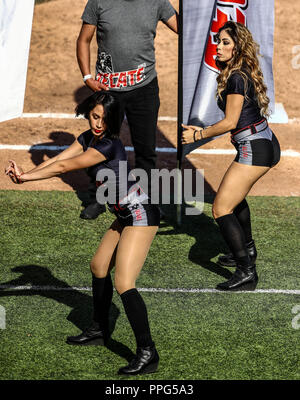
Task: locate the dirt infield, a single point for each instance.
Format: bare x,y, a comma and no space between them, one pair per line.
54,85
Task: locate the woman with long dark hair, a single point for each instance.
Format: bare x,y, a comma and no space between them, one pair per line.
126,243
241,95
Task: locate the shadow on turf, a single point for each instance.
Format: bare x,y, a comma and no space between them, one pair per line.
78,301
209,242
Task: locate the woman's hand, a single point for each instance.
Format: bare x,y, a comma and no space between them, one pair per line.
9,169
14,172
191,134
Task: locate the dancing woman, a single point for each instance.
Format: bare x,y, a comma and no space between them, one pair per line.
126,243
241,94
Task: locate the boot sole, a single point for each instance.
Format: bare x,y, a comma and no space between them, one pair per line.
150,369
92,342
247,286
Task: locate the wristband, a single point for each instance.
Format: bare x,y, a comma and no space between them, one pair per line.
201,136
195,134
86,77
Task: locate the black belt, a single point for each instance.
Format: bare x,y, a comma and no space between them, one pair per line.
250,130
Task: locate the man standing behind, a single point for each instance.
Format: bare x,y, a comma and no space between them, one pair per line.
126,66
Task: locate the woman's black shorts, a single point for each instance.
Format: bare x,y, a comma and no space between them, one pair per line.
260,149
134,210
138,214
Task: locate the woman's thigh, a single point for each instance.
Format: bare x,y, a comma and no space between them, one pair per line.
131,254
235,185
104,258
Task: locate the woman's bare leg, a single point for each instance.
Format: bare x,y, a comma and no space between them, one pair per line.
102,287
234,187
103,260
132,251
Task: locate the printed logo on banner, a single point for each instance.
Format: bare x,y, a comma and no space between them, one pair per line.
226,10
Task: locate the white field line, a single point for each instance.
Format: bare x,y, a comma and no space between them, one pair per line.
151,290
72,116
294,120
38,147
51,115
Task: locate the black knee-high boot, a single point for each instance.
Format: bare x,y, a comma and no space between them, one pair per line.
98,332
245,275
102,297
146,359
242,212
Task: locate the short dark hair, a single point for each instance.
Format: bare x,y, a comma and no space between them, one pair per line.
111,111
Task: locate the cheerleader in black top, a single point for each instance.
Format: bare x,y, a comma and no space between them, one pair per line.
126,243
242,96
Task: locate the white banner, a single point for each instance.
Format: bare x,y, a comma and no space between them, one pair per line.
15,31
201,21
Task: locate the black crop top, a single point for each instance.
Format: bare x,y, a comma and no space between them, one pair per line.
114,152
250,113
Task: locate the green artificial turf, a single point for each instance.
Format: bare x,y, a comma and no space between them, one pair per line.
199,335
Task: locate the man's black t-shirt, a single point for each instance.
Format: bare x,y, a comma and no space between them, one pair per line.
250,113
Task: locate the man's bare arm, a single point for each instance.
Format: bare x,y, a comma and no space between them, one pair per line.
172,23
83,55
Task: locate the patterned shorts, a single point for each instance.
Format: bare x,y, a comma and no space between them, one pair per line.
132,211
260,149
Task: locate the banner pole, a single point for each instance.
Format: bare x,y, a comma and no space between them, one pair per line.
179,111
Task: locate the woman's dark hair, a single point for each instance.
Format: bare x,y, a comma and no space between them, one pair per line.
111,111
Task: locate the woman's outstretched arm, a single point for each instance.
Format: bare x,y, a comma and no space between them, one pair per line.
73,150
58,167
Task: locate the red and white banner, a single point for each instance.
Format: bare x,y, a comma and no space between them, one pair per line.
201,20
15,31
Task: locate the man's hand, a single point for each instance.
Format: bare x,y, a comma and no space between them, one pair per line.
96,86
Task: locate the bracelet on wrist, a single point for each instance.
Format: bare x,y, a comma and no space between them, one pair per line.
201,136
86,77
194,135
